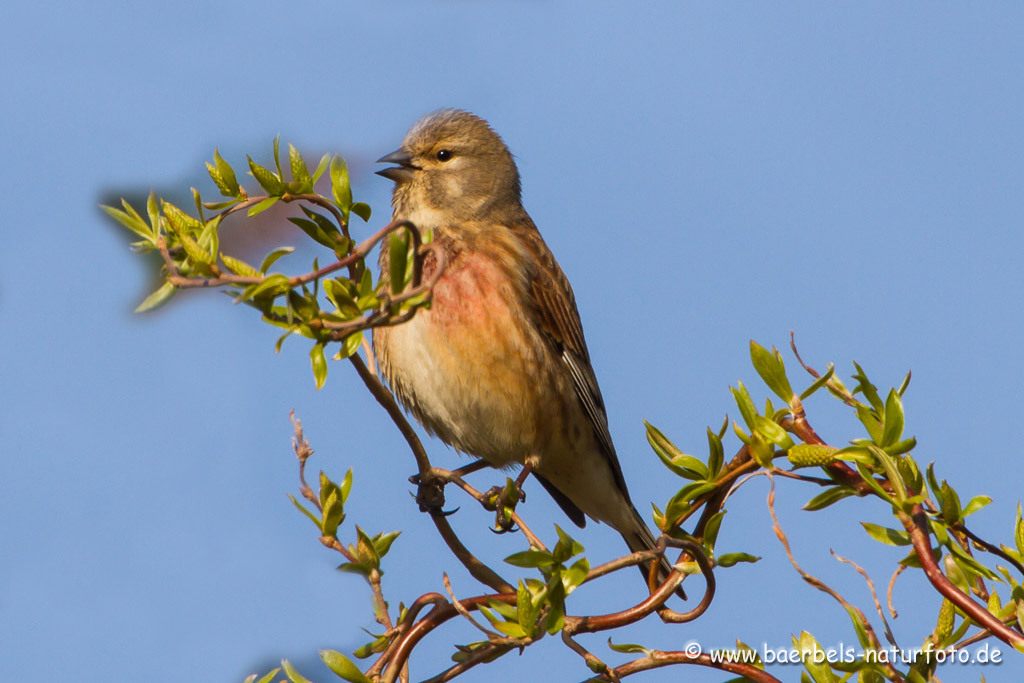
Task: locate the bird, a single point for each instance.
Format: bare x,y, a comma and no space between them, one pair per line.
498,366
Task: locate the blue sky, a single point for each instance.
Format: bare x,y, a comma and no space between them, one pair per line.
705,173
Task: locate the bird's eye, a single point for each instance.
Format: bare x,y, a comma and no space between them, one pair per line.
444,155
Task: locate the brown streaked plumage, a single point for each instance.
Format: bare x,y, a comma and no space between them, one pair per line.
498,366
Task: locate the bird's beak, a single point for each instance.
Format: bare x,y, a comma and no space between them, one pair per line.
404,172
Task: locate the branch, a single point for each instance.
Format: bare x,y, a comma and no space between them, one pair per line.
916,525
474,566
657,659
656,601
821,585
437,616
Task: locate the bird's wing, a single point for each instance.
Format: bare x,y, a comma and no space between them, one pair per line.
555,308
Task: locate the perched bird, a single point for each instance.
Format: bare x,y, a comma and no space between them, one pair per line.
498,367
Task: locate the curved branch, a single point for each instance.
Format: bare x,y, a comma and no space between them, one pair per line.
437,616
654,602
916,525
657,659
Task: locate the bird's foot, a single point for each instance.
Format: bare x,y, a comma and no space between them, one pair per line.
430,494
502,500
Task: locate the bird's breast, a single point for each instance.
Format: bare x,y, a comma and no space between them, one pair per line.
473,368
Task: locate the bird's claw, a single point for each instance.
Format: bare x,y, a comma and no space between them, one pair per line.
430,495
502,500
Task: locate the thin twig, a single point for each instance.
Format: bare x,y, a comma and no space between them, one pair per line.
900,568
465,612
821,585
593,661
485,653
874,596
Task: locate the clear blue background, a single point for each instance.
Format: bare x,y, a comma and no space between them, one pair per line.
706,174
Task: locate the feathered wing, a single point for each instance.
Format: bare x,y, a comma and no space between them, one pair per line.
557,316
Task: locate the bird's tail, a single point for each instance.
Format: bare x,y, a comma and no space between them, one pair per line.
639,537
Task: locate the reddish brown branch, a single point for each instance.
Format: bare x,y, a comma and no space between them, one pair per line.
916,525
654,602
437,616
657,659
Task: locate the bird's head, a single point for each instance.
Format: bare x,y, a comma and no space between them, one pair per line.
452,161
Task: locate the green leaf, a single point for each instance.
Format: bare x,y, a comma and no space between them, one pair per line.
505,610
343,666
567,547
772,370
346,485
153,209
818,383
340,185
886,535
950,504
277,155
275,283
382,542
238,266
745,404
267,678
828,497
901,447
228,183
303,510
730,559
316,232
865,387
333,515
209,240
526,611
680,502
398,254
899,487
266,178
341,297
196,254
711,528
1018,536
574,575
904,385
870,422
273,256
892,424
628,648
349,345
510,629
967,562
261,206
530,559
293,675
134,224
300,173
367,552
716,454
362,210
772,431
321,167
157,298
319,361
683,465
